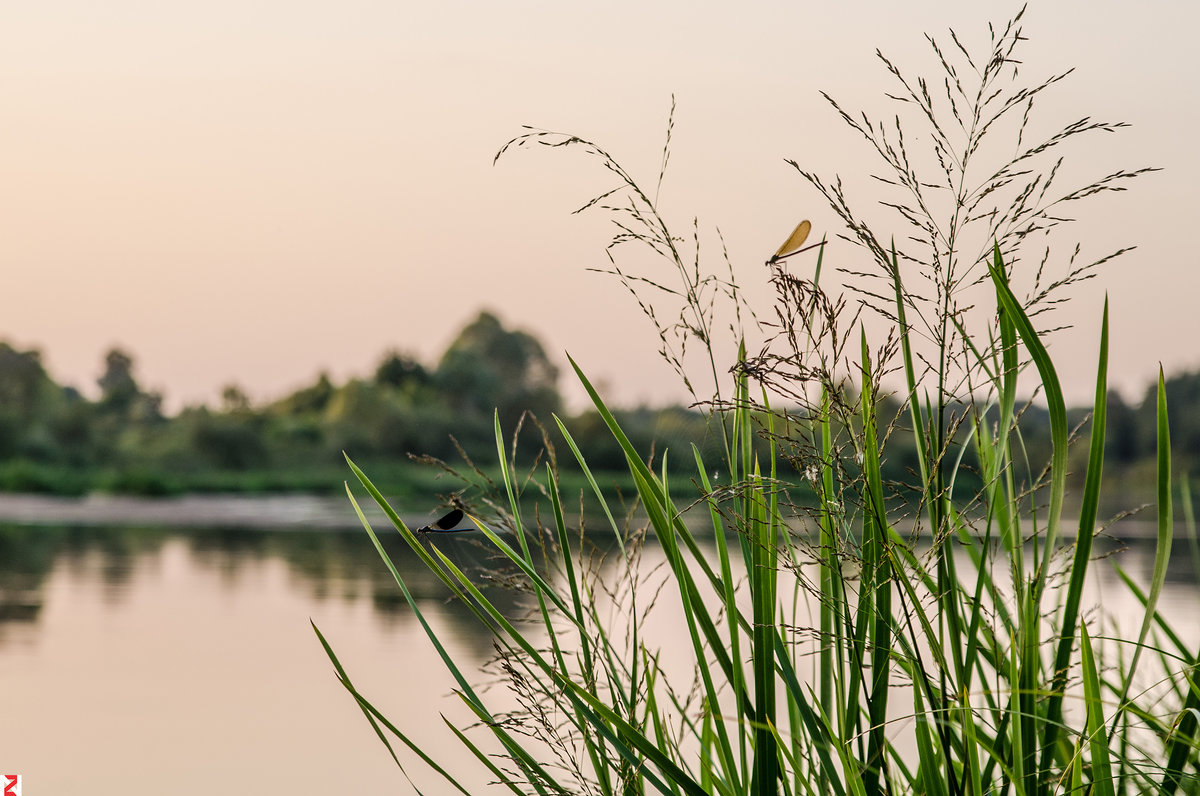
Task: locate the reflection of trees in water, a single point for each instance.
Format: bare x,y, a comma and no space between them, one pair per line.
26,557
345,566
110,556
1136,556
227,551
322,565
29,554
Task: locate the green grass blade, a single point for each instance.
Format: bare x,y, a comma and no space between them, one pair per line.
1183,742
1055,404
930,761
1162,551
762,581
591,479
700,625
729,604
595,747
639,467
1098,744
831,587
1083,551
485,759
371,713
877,575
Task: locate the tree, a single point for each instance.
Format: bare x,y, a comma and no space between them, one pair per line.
234,399
488,367
399,370
231,441
121,399
1121,430
29,398
23,382
118,388
307,401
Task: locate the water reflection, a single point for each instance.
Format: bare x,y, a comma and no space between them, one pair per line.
183,640
325,565
321,567
26,557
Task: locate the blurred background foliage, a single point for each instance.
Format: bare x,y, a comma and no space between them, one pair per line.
53,439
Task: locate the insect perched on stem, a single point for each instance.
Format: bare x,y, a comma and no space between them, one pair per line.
794,242
446,524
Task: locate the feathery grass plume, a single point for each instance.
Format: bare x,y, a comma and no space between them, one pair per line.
684,289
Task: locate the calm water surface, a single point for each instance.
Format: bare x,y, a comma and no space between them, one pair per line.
152,662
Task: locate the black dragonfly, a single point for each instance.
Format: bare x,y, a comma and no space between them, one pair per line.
446,524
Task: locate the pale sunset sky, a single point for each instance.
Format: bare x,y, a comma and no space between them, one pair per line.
252,191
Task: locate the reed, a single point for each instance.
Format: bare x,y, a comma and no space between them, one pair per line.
884,638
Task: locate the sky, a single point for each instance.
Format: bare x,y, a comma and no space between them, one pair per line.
251,192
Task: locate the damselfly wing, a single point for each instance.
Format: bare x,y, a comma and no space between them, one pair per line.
795,240
446,524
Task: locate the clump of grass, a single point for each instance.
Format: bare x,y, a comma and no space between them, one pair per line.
858,646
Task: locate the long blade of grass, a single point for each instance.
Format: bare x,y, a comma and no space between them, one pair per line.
1055,405
485,759
1098,744
1083,551
594,746
1162,551
651,492
728,599
591,479
877,579
1184,739
370,713
637,465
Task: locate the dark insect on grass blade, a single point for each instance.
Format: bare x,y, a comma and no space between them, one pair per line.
446,524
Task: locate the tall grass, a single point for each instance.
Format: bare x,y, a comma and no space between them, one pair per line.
844,635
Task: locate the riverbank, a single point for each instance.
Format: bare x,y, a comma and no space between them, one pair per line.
259,512
295,512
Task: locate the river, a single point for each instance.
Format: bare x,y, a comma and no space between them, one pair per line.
176,660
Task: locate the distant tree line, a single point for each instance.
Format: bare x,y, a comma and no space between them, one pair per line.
54,439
